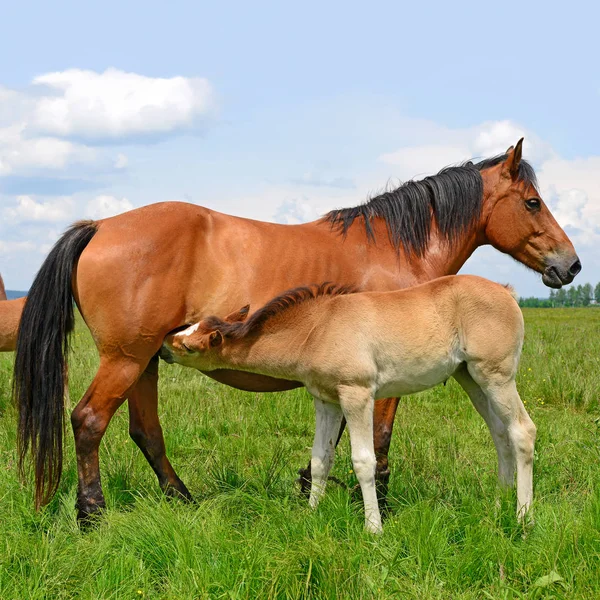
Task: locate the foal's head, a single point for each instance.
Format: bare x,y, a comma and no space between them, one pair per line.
192,342
518,222
191,346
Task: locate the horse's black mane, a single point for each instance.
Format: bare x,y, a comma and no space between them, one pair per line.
274,307
453,198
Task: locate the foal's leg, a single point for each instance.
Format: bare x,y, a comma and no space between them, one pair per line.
357,404
329,417
506,405
384,414
506,460
146,432
90,419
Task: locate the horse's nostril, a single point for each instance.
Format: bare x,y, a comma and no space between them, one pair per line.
575,268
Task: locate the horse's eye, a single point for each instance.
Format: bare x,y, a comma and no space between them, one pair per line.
533,203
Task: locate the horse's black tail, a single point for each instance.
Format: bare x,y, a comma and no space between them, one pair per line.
40,373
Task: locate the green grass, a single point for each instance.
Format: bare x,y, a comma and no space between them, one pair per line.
450,534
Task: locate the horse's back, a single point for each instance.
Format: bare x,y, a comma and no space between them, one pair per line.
150,270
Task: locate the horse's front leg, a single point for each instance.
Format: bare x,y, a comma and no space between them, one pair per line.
383,426
383,417
357,405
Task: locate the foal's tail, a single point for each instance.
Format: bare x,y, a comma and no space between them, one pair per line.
40,372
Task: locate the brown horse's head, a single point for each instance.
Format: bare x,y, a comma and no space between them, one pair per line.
518,222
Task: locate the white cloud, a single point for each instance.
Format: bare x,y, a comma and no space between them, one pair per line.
294,211
572,188
103,207
445,146
121,162
51,127
114,104
21,155
26,209
317,179
9,248
418,161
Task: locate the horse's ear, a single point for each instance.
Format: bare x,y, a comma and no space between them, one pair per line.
215,339
238,315
513,160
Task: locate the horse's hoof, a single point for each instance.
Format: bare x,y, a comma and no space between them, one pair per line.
179,492
304,481
88,517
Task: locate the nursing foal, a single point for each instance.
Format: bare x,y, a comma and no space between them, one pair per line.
349,349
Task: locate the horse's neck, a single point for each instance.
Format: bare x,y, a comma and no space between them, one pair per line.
403,269
442,258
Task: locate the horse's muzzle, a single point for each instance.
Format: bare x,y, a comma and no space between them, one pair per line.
561,272
166,354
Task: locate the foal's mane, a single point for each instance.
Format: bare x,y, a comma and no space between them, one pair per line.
452,198
273,308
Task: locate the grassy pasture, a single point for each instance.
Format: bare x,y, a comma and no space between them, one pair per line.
450,534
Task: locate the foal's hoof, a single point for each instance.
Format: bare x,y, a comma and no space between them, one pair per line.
375,529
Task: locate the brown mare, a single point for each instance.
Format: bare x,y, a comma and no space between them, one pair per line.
138,276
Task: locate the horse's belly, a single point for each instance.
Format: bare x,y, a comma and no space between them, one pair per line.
405,379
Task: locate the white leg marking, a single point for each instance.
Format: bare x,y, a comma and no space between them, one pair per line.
506,460
329,420
357,404
505,403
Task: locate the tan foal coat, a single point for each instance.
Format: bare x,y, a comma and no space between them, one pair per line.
351,349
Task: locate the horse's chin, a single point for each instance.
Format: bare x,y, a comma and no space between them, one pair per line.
551,282
552,279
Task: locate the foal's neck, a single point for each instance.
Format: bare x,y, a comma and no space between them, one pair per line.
276,349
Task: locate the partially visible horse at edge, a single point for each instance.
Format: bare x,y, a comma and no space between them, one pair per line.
350,350
10,315
137,276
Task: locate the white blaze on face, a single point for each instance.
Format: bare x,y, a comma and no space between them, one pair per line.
191,329
182,335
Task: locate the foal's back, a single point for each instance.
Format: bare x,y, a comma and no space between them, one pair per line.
410,340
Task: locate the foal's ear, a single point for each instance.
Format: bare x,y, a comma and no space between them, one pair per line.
215,339
238,315
513,160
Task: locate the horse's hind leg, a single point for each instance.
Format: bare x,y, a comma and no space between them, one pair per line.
146,432
328,419
506,406
506,464
506,403
90,419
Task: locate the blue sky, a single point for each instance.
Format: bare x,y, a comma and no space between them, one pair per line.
282,112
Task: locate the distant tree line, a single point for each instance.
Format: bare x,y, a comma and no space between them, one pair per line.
581,295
